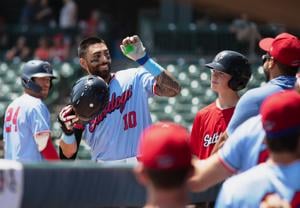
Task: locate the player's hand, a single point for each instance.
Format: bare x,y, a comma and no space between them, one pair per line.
67,119
133,48
274,201
222,138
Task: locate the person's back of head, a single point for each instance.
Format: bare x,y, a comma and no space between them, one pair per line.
280,118
284,50
165,155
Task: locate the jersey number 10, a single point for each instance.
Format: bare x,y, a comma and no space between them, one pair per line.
129,120
11,116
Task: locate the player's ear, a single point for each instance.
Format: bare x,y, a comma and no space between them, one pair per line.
83,64
140,174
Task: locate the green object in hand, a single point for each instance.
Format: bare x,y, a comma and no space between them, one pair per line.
128,48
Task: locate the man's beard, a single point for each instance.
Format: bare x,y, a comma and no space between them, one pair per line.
104,74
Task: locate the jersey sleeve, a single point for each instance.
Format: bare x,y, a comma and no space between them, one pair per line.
245,108
231,154
39,118
147,80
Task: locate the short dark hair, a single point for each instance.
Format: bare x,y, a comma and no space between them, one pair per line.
85,43
287,70
288,143
168,179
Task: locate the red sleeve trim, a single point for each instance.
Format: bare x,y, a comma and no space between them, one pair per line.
154,88
225,164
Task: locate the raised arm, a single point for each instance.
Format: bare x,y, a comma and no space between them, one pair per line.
166,84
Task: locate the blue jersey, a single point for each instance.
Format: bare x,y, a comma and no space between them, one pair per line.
250,102
114,134
25,117
245,148
251,187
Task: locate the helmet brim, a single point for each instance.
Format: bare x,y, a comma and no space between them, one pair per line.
216,66
44,75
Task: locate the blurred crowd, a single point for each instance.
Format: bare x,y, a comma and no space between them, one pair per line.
52,34
56,37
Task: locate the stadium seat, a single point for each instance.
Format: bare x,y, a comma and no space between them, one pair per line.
194,72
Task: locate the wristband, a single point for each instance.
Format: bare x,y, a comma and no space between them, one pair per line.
154,68
143,60
68,139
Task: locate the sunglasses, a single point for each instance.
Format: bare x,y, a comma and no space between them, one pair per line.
266,57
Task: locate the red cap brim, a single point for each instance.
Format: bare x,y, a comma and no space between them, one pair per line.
266,43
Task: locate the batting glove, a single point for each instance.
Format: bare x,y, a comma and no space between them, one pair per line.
67,119
133,48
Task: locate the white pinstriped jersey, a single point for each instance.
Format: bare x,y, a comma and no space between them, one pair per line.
25,117
248,189
114,134
244,148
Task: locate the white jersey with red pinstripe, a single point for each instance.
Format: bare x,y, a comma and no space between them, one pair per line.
114,134
244,148
251,187
25,117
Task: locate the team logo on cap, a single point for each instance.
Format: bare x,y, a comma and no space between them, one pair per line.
269,125
47,68
165,161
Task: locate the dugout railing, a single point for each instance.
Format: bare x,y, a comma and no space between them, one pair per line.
86,184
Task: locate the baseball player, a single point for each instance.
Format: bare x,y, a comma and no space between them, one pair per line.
230,72
243,149
165,164
26,131
280,174
114,134
281,63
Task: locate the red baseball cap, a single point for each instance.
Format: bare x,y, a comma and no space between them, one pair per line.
285,48
164,146
281,114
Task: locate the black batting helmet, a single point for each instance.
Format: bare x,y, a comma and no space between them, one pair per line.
89,96
35,68
235,64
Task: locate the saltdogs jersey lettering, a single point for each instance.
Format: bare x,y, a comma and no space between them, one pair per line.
128,110
116,103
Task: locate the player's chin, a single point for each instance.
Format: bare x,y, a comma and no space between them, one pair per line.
214,85
44,94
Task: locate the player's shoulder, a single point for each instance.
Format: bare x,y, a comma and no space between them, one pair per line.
250,179
251,124
208,109
127,71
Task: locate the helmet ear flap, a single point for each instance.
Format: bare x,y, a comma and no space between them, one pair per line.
29,84
235,84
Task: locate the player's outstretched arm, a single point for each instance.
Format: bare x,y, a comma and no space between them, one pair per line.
166,84
208,173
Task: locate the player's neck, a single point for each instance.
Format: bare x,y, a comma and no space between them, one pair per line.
283,158
33,94
167,198
227,100
108,79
